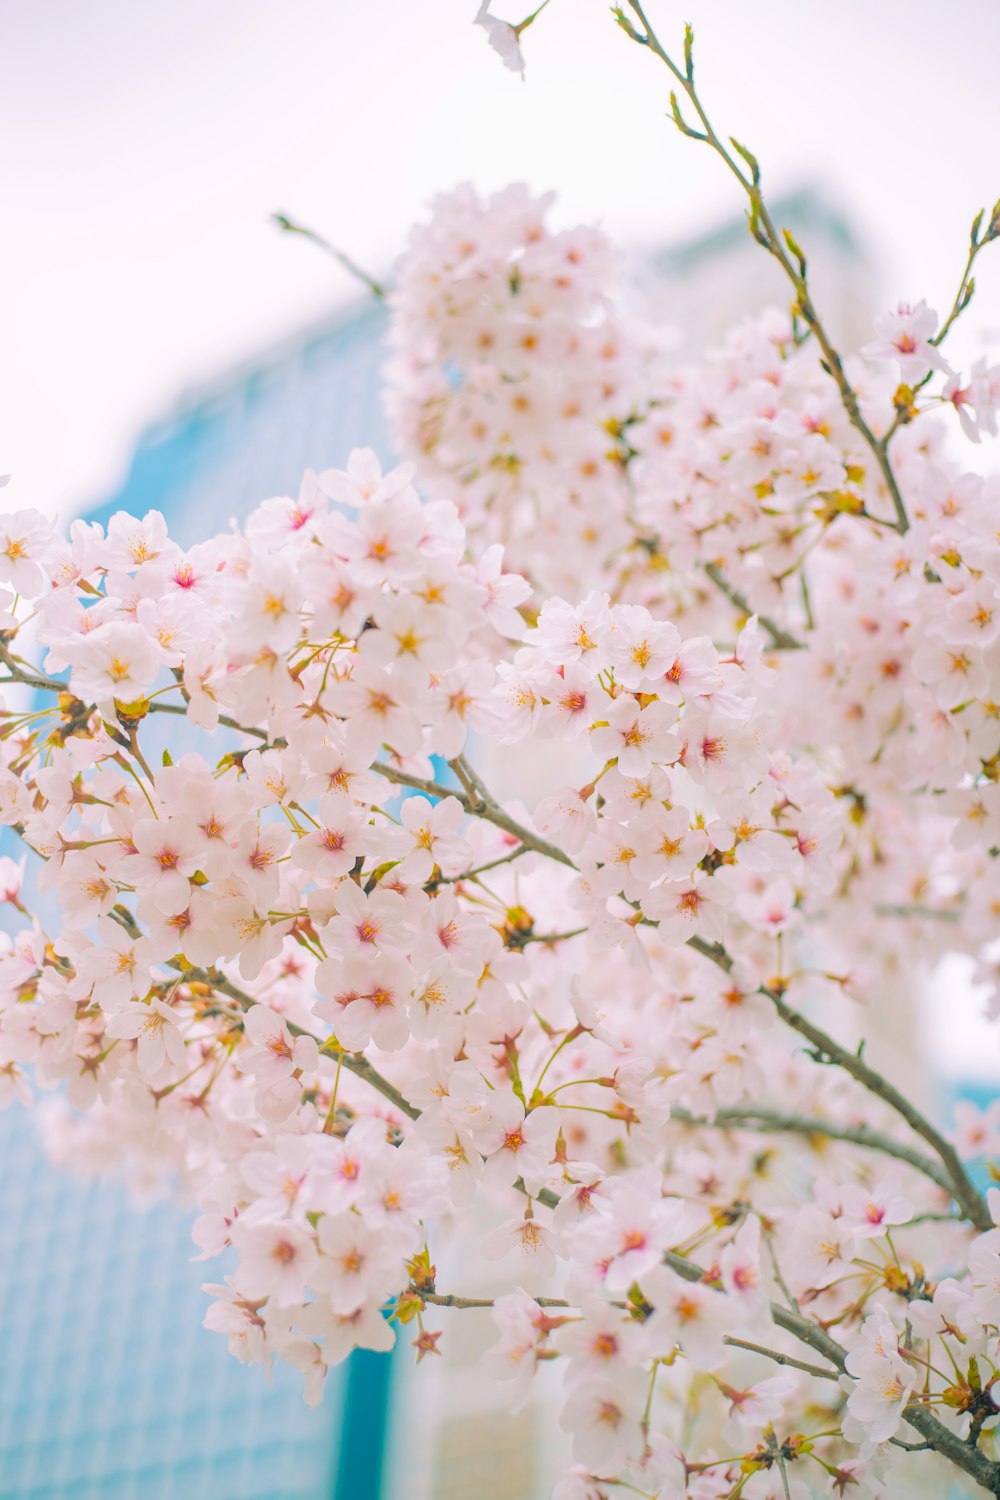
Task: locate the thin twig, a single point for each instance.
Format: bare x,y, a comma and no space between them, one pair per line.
31,678
781,247
492,864
156,707
959,1184
932,913
42,683
930,1427
479,804
554,937
440,1299
781,639
351,266
782,1359
751,1117
961,1187
355,1062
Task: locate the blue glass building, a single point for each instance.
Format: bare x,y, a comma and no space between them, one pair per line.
305,404
110,1389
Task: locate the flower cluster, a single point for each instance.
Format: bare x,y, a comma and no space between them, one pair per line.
492,863
512,377
743,482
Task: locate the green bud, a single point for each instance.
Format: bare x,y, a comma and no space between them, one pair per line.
753,220
689,50
795,248
748,157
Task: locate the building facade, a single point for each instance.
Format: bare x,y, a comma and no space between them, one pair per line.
110,1389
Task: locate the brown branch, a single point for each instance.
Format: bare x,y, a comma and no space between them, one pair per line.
937,1435
931,1428
156,707
29,678
479,804
355,1062
552,937
349,265
440,1299
802,1328
417,783
43,683
751,1117
941,1438
781,639
781,1359
491,864
961,1187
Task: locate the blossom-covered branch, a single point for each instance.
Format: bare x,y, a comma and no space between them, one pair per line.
746,726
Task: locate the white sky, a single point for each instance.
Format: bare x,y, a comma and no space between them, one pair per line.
144,143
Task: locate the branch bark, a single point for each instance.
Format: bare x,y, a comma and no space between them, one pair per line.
766,1120
966,1195
764,231
355,1062
479,804
781,639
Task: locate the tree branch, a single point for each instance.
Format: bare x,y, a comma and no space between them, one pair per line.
350,266
781,1359
781,639
931,1428
971,1202
479,804
782,247
767,1120
156,707
491,864
355,1062
42,683
440,1299
30,679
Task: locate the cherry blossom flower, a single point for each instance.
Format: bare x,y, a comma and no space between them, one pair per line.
273,1057
428,836
882,1382
516,1144
526,1237
276,1260
689,1315
904,335
165,857
115,661
977,1131
154,1026
26,541
635,737
605,1420
502,38
367,1000
870,1212
523,1327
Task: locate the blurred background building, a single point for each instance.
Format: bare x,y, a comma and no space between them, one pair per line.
112,1390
